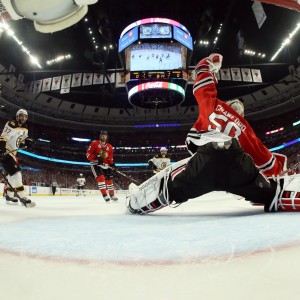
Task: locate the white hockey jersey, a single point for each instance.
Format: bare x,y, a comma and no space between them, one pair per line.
160,162
14,135
81,181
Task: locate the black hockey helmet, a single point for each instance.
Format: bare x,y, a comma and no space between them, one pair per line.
103,132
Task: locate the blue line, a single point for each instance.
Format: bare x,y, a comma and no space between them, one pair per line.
81,163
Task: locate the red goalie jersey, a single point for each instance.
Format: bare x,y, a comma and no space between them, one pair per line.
214,114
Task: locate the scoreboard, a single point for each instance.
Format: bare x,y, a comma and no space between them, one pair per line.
155,53
167,74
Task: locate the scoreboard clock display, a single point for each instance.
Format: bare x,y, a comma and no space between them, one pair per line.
167,74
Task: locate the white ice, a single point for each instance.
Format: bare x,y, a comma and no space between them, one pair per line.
214,247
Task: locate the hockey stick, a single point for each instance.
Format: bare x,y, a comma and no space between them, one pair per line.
32,204
115,170
11,151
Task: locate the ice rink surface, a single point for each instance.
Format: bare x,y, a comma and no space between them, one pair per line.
213,247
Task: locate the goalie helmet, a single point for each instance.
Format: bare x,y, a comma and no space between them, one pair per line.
238,106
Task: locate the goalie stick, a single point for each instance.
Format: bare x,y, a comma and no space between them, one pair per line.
32,204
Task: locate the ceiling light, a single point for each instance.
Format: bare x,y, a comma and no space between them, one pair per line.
286,41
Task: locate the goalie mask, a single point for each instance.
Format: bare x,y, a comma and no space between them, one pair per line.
237,105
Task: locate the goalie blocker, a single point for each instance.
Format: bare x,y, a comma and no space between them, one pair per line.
215,167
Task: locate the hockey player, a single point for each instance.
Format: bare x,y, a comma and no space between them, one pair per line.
100,155
217,115
80,185
54,186
160,161
226,156
14,135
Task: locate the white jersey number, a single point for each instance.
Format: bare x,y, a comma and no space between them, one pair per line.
231,129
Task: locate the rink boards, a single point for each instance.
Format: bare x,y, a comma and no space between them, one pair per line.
47,191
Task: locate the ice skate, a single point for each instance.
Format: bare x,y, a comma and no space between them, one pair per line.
11,200
106,198
27,202
114,198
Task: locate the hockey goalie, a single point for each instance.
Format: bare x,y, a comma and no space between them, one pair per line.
226,155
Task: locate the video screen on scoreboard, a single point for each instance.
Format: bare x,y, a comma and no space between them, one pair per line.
155,56
155,31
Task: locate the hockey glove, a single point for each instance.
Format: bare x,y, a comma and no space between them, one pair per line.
152,165
29,143
211,64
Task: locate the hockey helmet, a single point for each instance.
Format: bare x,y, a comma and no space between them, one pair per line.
103,132
163,149
238,106
80,174
21,112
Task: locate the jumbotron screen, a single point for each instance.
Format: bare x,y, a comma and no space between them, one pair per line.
155,31
155,56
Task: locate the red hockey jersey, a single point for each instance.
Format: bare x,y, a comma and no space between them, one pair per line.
215,114
104,150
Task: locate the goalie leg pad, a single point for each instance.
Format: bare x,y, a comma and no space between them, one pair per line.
287,196
153,194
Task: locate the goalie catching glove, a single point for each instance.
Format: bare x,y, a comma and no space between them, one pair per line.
211,64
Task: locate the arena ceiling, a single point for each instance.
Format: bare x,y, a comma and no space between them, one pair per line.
107,19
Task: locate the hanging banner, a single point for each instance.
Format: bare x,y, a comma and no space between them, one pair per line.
236,74
98,78
225,74
76,79
120,80
259,13
87,79
56,83
246,74
37,86
111,78
66,81
46,84
256,75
